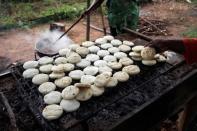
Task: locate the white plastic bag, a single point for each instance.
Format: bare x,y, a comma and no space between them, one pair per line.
173,57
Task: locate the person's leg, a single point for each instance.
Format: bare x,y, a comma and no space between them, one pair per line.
133,16
113,31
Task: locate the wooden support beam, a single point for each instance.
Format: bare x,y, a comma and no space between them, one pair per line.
96,28
142,36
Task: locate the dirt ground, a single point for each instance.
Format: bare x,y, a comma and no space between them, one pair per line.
18,44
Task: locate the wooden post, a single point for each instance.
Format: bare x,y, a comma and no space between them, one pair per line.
103,20
88,23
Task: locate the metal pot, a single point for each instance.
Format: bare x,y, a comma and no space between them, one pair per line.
47,46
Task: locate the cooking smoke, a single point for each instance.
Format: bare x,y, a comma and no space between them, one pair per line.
48,44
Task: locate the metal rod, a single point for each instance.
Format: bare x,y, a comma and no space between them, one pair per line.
138,34
92,8
88,23
5,73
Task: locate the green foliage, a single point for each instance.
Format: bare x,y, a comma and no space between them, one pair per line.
7,20
30,13
192,33
68,11
24,11
194,2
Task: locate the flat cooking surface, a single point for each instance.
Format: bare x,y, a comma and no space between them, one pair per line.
101,112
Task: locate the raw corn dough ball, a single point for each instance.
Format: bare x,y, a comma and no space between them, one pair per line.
91,70
129,43
157,56
45,60
52,112
103,69
74,58
106,46
30,73
76,74
83,63
87,79
107,73
161,58
120,55
60,60
63,82
97,91
94,49
82,85
136,58
114,65
101,80
116,42
100,41
88,43
131,69
121,76
70,105
54,97
73,47
99,63
102,53
126,61
112,82
124,48
110,58
82,51
84,95
30,64
113,50
148,53
70,92
92,57
138,48
46,87
46,68
85,92
134,54
58,68
68,67
40,78
64,52
108,37
149,62
55,75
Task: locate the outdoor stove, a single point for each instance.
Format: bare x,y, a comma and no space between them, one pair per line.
138,104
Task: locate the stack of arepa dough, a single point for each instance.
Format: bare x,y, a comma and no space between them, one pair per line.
84,71
147,55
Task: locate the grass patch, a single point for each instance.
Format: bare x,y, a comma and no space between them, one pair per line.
192,33
19,13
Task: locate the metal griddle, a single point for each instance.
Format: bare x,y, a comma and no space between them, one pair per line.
138,104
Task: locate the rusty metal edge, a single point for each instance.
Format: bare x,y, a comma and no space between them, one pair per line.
5,73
